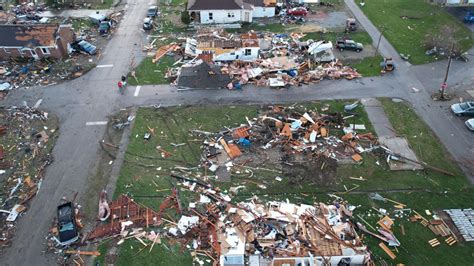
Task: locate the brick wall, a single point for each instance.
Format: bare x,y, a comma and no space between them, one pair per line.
8,53
66,36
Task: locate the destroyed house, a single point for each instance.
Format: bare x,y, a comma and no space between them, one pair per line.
219,11
6,17
308,235
243,47
35,41
262,8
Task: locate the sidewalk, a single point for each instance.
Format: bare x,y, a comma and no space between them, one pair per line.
387,136
385,48
378,118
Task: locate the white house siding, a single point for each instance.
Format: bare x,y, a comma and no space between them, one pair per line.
247,16
253,53
220,16
239,54
263,12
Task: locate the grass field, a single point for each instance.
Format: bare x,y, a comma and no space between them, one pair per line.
369,66
149,73
407,23
145,176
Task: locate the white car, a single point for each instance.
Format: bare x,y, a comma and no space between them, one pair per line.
470,124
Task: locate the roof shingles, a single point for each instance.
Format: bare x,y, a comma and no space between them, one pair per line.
28,35
196,5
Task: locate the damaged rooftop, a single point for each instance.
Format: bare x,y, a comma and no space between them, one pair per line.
28,35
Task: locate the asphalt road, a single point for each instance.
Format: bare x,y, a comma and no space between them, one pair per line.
94,97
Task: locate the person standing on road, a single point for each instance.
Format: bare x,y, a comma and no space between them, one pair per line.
122,84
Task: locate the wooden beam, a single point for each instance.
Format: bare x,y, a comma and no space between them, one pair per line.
387,250
89,253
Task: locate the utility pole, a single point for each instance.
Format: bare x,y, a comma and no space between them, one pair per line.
378,43
444,85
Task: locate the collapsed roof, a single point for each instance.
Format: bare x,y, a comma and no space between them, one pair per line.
202,75
28,35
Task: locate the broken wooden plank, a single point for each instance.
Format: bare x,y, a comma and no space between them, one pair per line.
80,252
387,250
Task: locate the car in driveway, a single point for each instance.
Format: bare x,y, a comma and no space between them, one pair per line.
67,227
470,124
464,108
297,11
152,11
346,44
84,46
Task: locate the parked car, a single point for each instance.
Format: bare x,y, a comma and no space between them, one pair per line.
297,11
84,47
351,25
469,17
67,228
104,26
346,44
464,108
470,124
152,11
148,23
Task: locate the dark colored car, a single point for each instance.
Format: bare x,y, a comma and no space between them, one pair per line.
469,17
464,108
297,11
67,228
152,11
148,23
104,27
84,47
345,44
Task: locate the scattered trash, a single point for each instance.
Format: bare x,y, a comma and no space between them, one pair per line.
24,156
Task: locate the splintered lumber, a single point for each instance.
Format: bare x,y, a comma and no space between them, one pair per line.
387,250
231,149
434,242
424,223
80,252
125,209
154,241
163,50
450,240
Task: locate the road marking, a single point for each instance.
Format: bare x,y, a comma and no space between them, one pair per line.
102,66
37,104
137,91
96,123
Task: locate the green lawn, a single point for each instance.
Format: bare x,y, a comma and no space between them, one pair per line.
145,176
105,4
358,36
82,23
149,73
369,66
408,35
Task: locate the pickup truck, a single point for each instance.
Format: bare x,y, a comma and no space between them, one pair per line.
345,44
